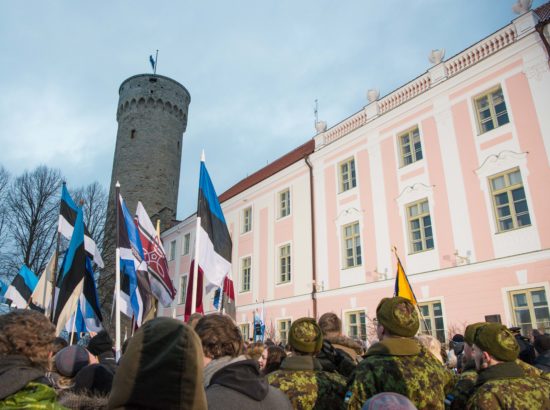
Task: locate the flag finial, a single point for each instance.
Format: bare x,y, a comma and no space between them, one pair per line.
117,184
203,157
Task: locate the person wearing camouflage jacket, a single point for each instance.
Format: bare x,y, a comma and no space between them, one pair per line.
398,363
502,383
301,376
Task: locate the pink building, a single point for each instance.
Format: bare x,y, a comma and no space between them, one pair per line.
451,169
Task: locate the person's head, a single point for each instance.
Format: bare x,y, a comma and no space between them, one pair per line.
93,379
330,324
542,343
494,344
69,360
193,319
387,400
396,317
27,333
219,337
305,336
161,369
58,344
255,350
100,343
274,356
469,335
432,344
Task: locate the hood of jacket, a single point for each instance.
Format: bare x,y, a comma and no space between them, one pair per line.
15,373
161,369
345,343
243,376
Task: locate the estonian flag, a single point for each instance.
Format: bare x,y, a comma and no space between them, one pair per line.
67,218
152,61
71,281
153,252
402,286
214,243
136,296
20,290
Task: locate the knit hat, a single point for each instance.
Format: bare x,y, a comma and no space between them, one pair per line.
305,336
398,316
94,378
498,341
161,369
470,332
71,359
542,343
100,343
388,400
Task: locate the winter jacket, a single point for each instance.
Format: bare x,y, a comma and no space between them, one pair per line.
543,362
240,386
23,386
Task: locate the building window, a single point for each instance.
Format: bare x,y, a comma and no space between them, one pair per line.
411,147
420,226
172,255
186,243
284,327
530,310
347,175
357,325
510,205
247,220
245,274
491,110
245,330
284,203
352,245
284,264
432,324
183,289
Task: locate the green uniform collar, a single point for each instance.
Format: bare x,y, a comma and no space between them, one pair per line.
395,346
301,363
505,370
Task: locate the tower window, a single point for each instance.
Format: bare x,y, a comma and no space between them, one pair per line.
133,134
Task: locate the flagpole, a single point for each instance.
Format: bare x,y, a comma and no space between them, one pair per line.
195,267
117,274
221,296
156,62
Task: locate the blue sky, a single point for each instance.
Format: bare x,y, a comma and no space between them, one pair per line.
253,68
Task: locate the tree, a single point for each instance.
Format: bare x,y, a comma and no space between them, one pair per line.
33,207
93,198
4,214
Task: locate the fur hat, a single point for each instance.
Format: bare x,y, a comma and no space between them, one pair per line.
71,359
498,341
305,336
398,316
470,332
100,343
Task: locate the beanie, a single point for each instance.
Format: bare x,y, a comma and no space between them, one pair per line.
71,359
470,332
498,341
398,316
305,336
100,343
94,378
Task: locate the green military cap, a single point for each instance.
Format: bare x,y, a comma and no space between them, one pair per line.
470,332
305,336
498,341
398,315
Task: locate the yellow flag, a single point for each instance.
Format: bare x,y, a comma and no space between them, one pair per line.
402,286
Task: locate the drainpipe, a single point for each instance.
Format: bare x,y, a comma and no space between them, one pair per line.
313,248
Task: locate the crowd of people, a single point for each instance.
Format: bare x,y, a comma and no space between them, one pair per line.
206,363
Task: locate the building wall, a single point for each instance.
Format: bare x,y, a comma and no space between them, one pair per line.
472,267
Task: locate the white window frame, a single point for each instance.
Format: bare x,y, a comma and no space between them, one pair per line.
186,243
245,335
280,257
246,220
284,202
411,133
494,117
346,322
288,321
431,301
182,290
422,228
242,275
354,237
347,180
172,253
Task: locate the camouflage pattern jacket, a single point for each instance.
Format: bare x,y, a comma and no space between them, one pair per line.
307,386
505,386
402,366
462,390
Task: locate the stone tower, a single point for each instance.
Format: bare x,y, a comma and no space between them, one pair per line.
152,117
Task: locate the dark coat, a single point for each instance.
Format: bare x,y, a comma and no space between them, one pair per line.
240,386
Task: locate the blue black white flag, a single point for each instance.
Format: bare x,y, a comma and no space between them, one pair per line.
20,290
152,61
67,218
136,297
